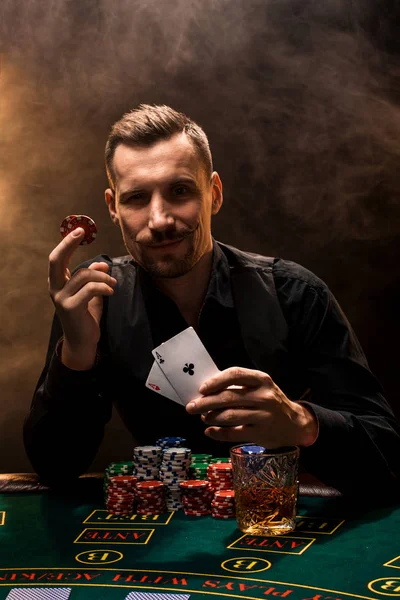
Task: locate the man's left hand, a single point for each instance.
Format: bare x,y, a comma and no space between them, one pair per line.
254,410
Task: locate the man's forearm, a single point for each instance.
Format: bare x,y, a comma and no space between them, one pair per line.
65,425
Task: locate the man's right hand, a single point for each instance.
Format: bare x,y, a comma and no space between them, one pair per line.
78,300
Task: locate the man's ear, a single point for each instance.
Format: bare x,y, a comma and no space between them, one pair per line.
217,195
110,201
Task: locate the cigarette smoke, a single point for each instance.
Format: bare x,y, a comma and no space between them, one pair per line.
300,99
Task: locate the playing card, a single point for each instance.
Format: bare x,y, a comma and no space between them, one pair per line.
39,594
185,363
155,596
158,382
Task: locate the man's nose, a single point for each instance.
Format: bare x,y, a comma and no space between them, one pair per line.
160,216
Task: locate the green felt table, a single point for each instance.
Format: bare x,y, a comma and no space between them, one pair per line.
53,540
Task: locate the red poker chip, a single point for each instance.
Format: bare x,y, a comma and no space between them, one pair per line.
74,221
225,494
149,485
192,513
121,498
219,467
147,497
149,513
221,485
150,500
150,493
196,501
150,490
194,483
197,492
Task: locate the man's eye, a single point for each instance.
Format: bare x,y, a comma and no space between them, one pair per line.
181,190
136,197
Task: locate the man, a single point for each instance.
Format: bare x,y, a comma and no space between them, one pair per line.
273,328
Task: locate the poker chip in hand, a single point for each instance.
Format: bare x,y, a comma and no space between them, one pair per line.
74,221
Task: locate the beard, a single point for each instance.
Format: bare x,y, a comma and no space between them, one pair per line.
170,265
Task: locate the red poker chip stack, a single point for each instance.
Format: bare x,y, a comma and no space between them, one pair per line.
150,497
223,504
196,497
120,494
220,475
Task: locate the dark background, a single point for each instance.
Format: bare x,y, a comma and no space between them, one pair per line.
300,100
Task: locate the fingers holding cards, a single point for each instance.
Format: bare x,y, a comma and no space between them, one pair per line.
231,417
233,378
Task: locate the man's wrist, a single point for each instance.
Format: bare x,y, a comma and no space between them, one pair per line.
82,359
308,424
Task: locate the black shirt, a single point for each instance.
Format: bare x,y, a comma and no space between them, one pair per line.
259,312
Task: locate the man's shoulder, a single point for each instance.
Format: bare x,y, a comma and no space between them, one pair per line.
292,271
282,269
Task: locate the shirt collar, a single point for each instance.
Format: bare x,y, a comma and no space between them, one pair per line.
219,285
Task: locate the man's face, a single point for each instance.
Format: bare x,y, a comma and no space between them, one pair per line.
163,204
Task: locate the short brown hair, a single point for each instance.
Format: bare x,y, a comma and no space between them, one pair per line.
147,124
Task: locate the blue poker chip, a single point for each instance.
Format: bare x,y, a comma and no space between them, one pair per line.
252,449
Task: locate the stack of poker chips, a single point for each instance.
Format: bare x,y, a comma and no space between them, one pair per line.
116,468
174,469
220,475
196,497
147,461
120,494
171,442
150,496
198,466
223,504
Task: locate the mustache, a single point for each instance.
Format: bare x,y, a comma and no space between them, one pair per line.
169,235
